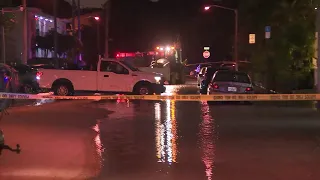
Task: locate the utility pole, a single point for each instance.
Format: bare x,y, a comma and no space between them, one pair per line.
74,7
55,12
317,69
107,8
3,40
79,22
79,29
25,33
236,23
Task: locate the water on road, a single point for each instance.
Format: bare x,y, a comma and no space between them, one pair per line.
194,140
165,140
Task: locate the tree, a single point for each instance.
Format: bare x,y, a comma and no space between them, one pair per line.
285,59
7,20
65,46
90,52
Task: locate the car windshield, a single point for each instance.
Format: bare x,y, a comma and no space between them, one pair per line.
226,76
130,66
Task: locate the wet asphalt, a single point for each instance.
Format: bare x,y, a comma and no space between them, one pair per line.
194,140
162,140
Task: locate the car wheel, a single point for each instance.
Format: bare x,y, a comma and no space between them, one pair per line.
63,90
143,90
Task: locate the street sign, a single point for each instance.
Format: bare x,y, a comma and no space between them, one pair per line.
268,35
267,32
267,29
252,38
206,54
206,48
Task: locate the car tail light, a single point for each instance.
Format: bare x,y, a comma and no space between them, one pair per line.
212,87
38,75
249,89
215,86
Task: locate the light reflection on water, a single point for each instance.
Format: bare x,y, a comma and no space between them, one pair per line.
99,146
166,133
207,140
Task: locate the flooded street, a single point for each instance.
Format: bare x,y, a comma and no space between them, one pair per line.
161,140
194,140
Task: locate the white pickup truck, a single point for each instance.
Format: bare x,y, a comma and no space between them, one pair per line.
110,76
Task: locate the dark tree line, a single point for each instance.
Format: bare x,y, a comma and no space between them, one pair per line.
284,62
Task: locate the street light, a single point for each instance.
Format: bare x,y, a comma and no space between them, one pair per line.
206,8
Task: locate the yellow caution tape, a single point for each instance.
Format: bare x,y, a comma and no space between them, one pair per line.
216,97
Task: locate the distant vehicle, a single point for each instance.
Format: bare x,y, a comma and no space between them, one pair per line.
206,78
110,76
233,82
228,66
28,77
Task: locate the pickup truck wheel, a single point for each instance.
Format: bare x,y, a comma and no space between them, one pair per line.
143,90
63,90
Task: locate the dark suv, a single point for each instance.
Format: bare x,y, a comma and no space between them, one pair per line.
28,78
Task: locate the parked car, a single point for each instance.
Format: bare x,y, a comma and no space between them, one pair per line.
28,77
234,82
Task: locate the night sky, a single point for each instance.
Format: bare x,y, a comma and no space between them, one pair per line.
141,25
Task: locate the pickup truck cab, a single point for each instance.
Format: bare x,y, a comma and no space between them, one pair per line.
110,76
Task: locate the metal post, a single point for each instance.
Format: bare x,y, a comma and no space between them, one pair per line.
79,25
79,29
107,7
25,33
55,12
236,40
317,79
98,38
3,41
74,7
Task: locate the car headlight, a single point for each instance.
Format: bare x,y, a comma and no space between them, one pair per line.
157,78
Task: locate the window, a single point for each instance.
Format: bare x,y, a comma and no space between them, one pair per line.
226,76
130,66
109,66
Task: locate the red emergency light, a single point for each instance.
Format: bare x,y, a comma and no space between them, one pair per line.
135,54
122,55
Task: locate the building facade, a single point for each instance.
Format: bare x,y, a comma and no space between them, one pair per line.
38,24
